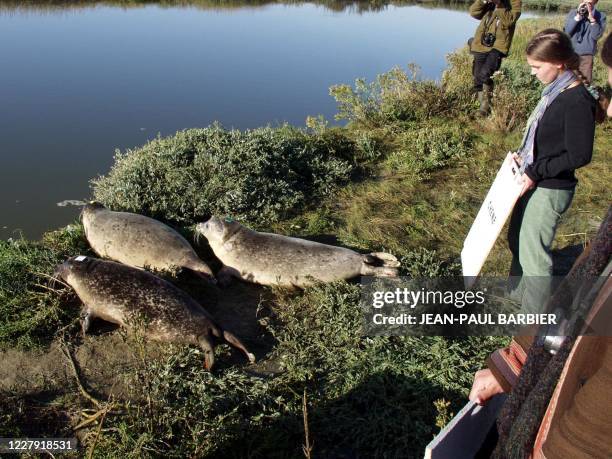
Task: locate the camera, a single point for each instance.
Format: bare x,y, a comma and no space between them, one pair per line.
583,10
488,39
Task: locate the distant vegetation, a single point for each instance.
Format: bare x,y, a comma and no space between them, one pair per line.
407,174
335,5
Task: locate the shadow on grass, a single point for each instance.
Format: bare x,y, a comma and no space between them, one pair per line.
32,415
387,415
564,258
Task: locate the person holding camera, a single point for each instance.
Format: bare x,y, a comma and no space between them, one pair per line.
585,25
491,43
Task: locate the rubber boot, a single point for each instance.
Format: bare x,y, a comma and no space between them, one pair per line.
484,98
480,102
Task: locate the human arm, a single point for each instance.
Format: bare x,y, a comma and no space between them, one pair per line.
598,24
578,135
479,8
508,17
571,22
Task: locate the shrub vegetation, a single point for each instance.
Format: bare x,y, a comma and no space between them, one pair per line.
260,175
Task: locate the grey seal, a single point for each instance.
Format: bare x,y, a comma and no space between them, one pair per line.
139,241
124,295
273,259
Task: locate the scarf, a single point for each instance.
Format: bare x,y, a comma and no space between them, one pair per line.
550,92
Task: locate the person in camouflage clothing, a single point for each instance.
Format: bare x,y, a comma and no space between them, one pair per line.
491,43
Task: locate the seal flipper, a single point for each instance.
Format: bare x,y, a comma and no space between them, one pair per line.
86,318
382,259
209,351
378,271
234,341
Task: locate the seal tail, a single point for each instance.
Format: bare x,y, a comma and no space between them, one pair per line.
234,341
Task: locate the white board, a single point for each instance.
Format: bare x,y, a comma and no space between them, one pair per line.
464,435
492,216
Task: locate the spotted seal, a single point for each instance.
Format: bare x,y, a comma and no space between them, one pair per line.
139,241
273,259
129,296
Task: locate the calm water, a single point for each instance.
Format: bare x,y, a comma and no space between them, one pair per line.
77,84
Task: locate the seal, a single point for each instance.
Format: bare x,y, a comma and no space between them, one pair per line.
273,259
139,241
132,297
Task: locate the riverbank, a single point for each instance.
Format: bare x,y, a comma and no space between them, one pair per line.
406,175
335,5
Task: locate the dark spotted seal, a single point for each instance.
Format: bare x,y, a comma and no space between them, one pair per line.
267,259
139,241
131,297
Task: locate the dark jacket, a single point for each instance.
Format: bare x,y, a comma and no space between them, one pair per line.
564,139
499,21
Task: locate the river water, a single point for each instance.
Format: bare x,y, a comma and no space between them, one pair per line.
78,83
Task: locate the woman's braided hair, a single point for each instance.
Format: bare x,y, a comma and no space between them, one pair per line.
554,46
606,51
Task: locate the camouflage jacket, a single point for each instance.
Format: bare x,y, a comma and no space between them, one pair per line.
499,21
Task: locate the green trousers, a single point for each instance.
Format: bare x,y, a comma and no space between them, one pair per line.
532,229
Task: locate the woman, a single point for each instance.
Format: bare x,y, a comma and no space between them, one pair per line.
557,141
506,365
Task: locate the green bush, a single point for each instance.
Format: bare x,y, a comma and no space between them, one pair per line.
430,147
30,310
426,263
259,175
349,374
395,96
457,80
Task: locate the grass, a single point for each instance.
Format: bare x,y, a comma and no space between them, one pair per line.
424,165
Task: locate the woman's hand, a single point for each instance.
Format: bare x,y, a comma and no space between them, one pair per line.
484,387
528,184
